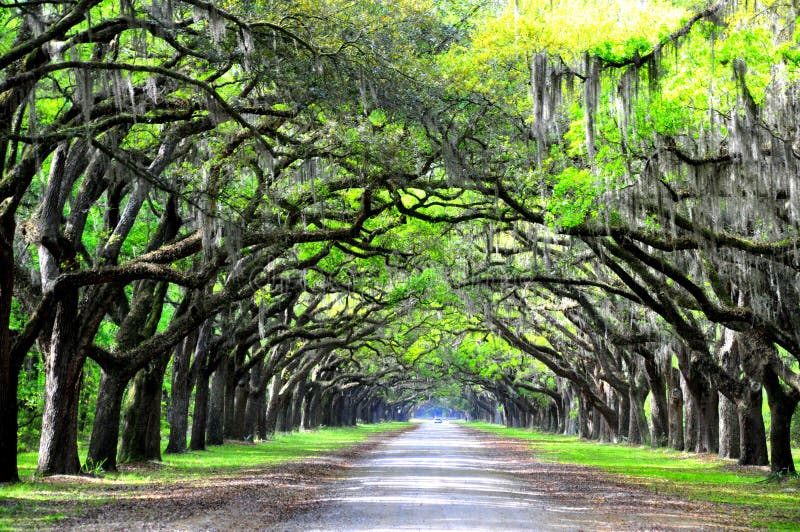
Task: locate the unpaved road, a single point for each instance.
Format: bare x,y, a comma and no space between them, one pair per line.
446,477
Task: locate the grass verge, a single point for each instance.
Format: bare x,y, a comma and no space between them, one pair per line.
38,503
698,477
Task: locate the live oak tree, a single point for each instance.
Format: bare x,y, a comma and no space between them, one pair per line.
305,213
689,210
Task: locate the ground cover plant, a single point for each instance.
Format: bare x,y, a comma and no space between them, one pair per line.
39,502
748,491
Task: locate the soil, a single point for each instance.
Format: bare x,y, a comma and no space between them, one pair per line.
446,477
250,499
437,477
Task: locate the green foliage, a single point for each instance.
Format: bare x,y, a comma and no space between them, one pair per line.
573,198
89,386
634,47
30,398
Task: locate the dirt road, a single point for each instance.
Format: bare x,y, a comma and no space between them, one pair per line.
445,477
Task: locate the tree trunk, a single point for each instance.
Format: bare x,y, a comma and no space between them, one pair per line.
200,415
675,413
216,411
782,405
702,408
659,408
105,431
312,409
752,435
8,414
273,407
241,403
597,425
9,368
58,447
624,409
692,417
261,414
729,434
333,411
583,418
182,381
229,430
638,433
141,422
297,407
571,422
708,402
254,395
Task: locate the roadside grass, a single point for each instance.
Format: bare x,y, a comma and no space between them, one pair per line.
283,448
699,477
38,503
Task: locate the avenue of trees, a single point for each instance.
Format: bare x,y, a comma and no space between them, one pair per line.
239,218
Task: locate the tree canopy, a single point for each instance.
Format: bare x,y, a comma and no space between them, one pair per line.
578,215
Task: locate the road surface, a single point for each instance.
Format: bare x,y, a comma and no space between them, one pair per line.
443,477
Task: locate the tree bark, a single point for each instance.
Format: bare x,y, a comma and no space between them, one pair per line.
241,402
255,394
229,430
708,401
676,440
659,407
752,434
639,432
141,422
583,418
105,432
200,415
297,407
181,393
729,434
9,368
58,446
8,415
216,410
313,408
273,407
782,404
624,408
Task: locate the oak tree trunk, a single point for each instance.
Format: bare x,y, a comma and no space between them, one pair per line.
141,421
200,414
782,404
216,406
659,407
58,445
255,394
182,382
729,434
9,368
229,430
274,407
675,413
105,431
752,434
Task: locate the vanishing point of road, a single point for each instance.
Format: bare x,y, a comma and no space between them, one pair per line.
443,477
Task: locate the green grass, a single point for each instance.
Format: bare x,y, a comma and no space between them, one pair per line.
38,503
698,477
285,447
